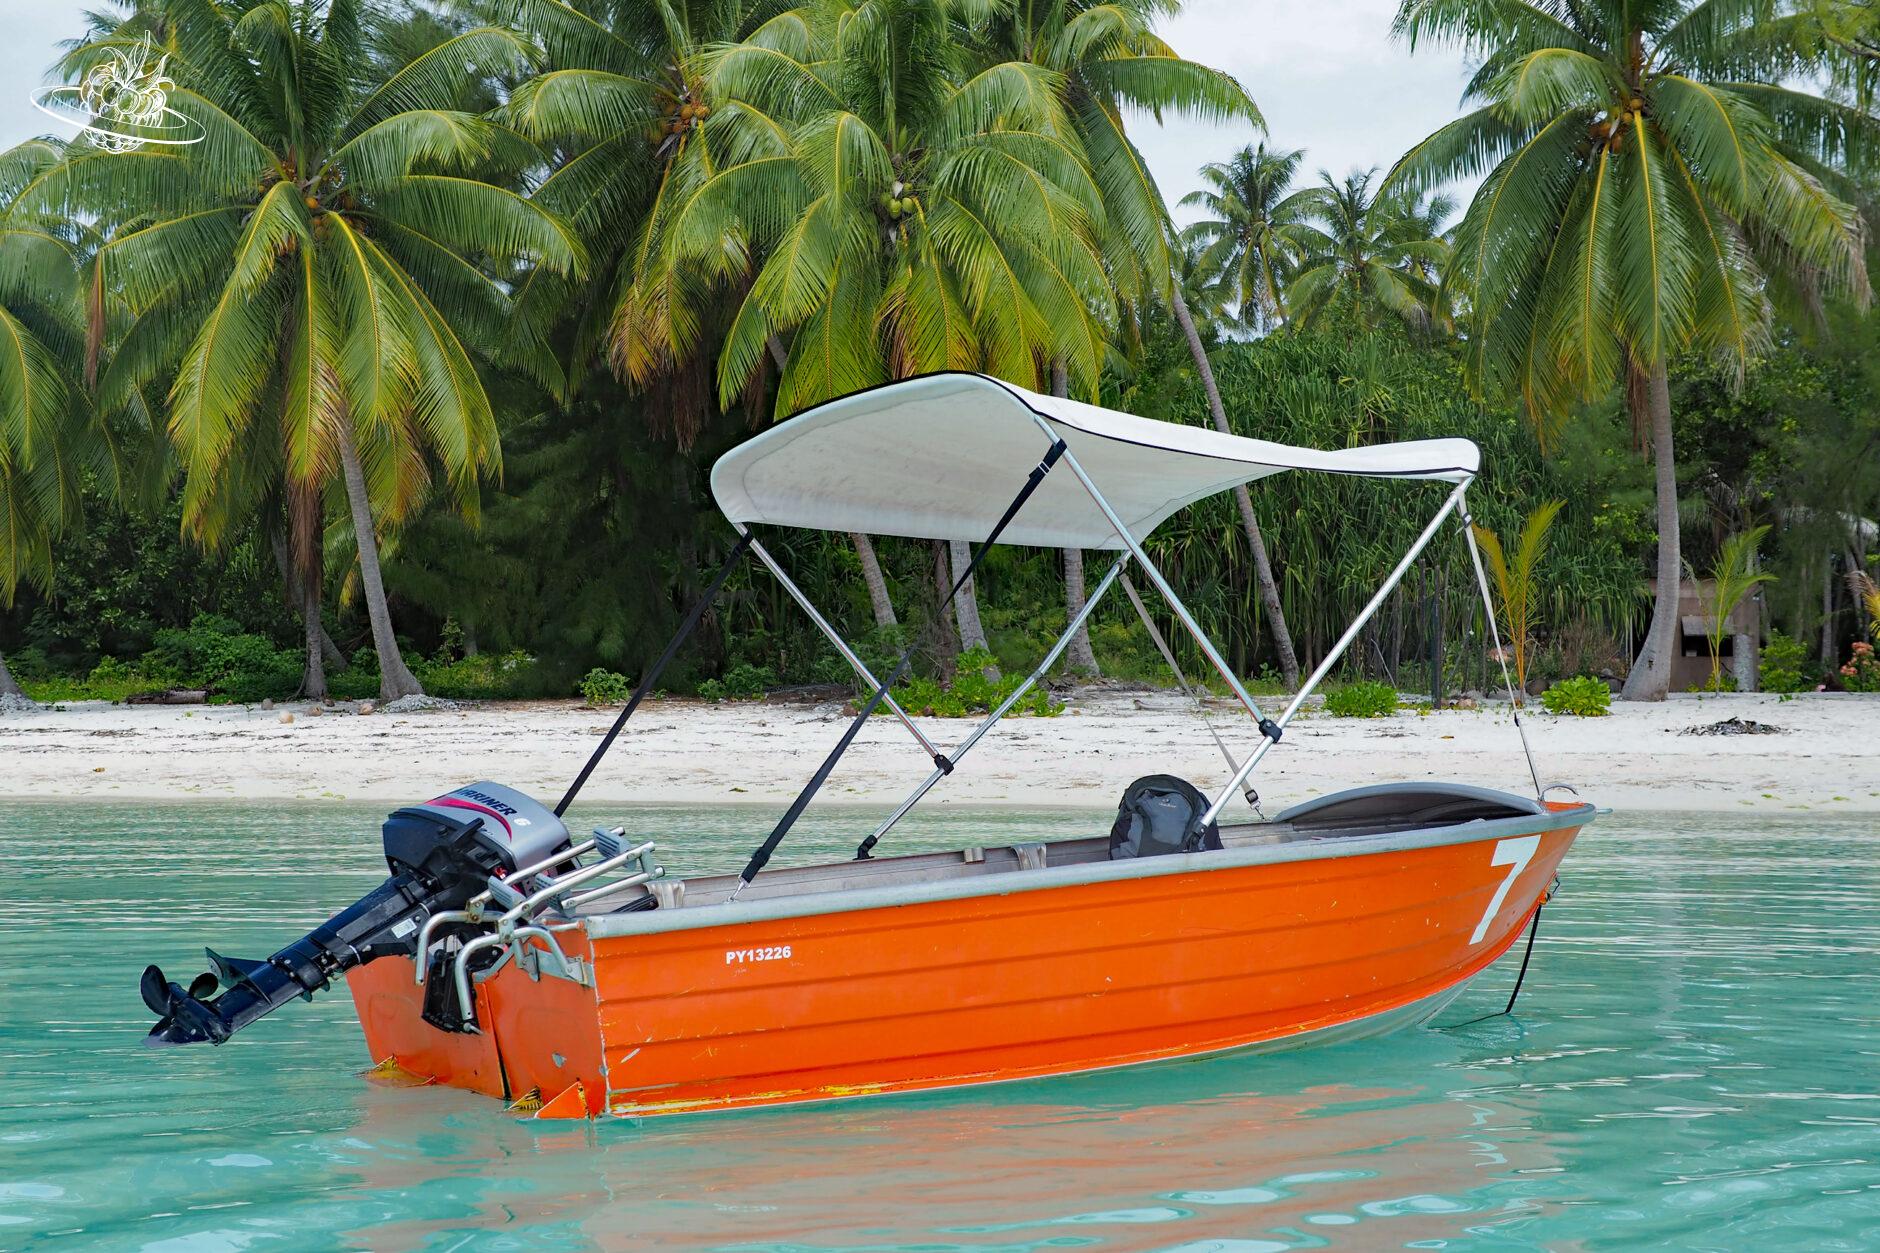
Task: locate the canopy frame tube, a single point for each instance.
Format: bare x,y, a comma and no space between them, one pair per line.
1134,547
1332,656
965,746
1270,729
835,637
1494,632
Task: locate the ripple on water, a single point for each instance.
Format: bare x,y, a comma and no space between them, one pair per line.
1694,1063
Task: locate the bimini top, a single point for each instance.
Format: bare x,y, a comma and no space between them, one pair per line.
942,455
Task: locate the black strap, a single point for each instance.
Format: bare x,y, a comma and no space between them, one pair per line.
1534,927
653,672
762,856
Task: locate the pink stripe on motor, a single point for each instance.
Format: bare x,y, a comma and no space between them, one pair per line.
453,802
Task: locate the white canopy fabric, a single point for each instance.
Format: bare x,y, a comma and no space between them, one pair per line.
942,455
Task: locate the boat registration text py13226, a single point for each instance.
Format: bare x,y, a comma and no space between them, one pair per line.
738,956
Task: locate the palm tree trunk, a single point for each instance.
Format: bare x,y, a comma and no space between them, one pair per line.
947,641
395,678
966,604
1829,653
1650,677
1745,648
877,583
329,651
1262,566
330,655
313,679
1080,657
8,685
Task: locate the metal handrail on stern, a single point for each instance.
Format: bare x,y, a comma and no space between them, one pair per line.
521,920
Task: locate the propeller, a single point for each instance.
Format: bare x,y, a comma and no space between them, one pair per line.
186,1016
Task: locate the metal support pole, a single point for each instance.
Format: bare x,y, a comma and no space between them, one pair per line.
1488,606
1337,650
1267,727
848,654
1057,650
1201,706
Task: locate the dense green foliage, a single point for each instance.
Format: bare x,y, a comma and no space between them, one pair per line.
214,654
530,266
971,692
604,687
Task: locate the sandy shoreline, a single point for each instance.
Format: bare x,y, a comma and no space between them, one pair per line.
687,752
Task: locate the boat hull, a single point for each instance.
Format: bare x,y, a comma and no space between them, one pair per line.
1032,976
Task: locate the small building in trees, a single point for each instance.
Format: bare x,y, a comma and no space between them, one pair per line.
1739,649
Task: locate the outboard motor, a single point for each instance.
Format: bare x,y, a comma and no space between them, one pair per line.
441,854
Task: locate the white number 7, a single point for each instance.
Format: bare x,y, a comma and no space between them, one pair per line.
1514,854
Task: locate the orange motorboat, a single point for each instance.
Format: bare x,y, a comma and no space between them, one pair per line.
577,978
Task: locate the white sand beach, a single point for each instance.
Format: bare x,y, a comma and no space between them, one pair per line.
691,752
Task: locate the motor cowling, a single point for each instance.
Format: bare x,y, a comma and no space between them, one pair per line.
440,854
517,829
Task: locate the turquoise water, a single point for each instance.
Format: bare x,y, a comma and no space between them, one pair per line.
1695,1063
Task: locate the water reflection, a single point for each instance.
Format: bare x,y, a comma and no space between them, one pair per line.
1209,1150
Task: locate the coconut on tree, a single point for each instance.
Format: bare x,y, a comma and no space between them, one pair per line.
309,277
625,107
1653,172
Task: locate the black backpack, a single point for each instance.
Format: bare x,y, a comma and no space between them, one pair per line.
1161,814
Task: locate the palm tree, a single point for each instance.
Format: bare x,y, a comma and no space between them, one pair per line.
912,212
1649,170
1362,249
41,399
305,272
1253,235
1243,500
1106,57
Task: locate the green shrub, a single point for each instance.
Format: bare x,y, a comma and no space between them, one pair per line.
971,692
747,681
1361,700
1584,697
213,652
60,689
1785,665
275,676
740,682
512,675
604,687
